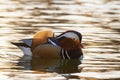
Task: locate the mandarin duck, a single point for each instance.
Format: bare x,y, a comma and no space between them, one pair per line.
45,45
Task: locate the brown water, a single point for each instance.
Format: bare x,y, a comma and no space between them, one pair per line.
97,20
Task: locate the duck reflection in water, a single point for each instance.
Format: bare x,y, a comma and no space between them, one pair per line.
50,65
56,65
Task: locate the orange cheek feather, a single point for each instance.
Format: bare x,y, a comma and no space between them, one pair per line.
67,44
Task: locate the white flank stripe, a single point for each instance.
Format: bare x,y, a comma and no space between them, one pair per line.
63,54
67,54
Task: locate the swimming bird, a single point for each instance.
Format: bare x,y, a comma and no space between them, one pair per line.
44,44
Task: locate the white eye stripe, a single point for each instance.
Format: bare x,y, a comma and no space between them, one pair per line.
70,35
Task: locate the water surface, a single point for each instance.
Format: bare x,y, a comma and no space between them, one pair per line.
98,21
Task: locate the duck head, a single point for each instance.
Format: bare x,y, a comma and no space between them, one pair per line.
70,40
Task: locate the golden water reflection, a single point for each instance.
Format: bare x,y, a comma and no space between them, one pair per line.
97,20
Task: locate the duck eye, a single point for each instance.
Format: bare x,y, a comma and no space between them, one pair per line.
73,38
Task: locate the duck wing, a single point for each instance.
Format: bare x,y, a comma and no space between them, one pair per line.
28,42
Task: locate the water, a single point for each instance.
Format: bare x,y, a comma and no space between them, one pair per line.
98,21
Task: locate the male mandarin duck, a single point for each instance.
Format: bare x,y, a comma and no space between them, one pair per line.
45,45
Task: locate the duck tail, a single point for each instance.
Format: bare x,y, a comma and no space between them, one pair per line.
25,48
